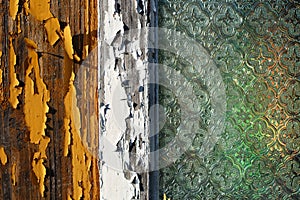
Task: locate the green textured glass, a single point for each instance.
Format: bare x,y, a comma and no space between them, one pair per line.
256,46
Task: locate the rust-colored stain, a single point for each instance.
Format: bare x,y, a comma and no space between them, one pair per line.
35,109
81,157
14,90
3,156
13,8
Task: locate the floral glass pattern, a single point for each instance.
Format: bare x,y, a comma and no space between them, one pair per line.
256,46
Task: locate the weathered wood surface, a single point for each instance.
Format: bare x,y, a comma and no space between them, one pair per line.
48,100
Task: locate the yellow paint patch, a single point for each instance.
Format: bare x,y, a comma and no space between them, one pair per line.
3,156
35,110
52,27
30,44
76,57
26,7
14,91
81,157
1,79
13,173
35,107
68,41
37,163
1,76
19,24
40,9
85,51
13,8
1,89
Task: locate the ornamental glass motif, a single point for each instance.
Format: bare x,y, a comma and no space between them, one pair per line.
256,47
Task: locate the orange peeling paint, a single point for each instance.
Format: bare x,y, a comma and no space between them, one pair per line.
52,27
14,90
3,156
76,57
85,51
1,77
37,164
40,9
13,8
72,120
19,24
35,109
13,173
81,157
1,89
30,44
68,41
0,71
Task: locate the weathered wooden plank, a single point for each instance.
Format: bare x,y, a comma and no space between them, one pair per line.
48,103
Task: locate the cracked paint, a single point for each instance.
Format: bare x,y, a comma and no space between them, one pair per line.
35,109
15,91
124,111
3,156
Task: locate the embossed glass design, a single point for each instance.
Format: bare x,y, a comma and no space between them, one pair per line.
256,47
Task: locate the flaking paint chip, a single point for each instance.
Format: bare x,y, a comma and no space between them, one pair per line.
14,90
13,8
40,9
30,44
68,42
52,27
3,156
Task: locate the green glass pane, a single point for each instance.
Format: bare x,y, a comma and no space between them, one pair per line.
256,47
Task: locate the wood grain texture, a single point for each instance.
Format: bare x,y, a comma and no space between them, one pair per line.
57,176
